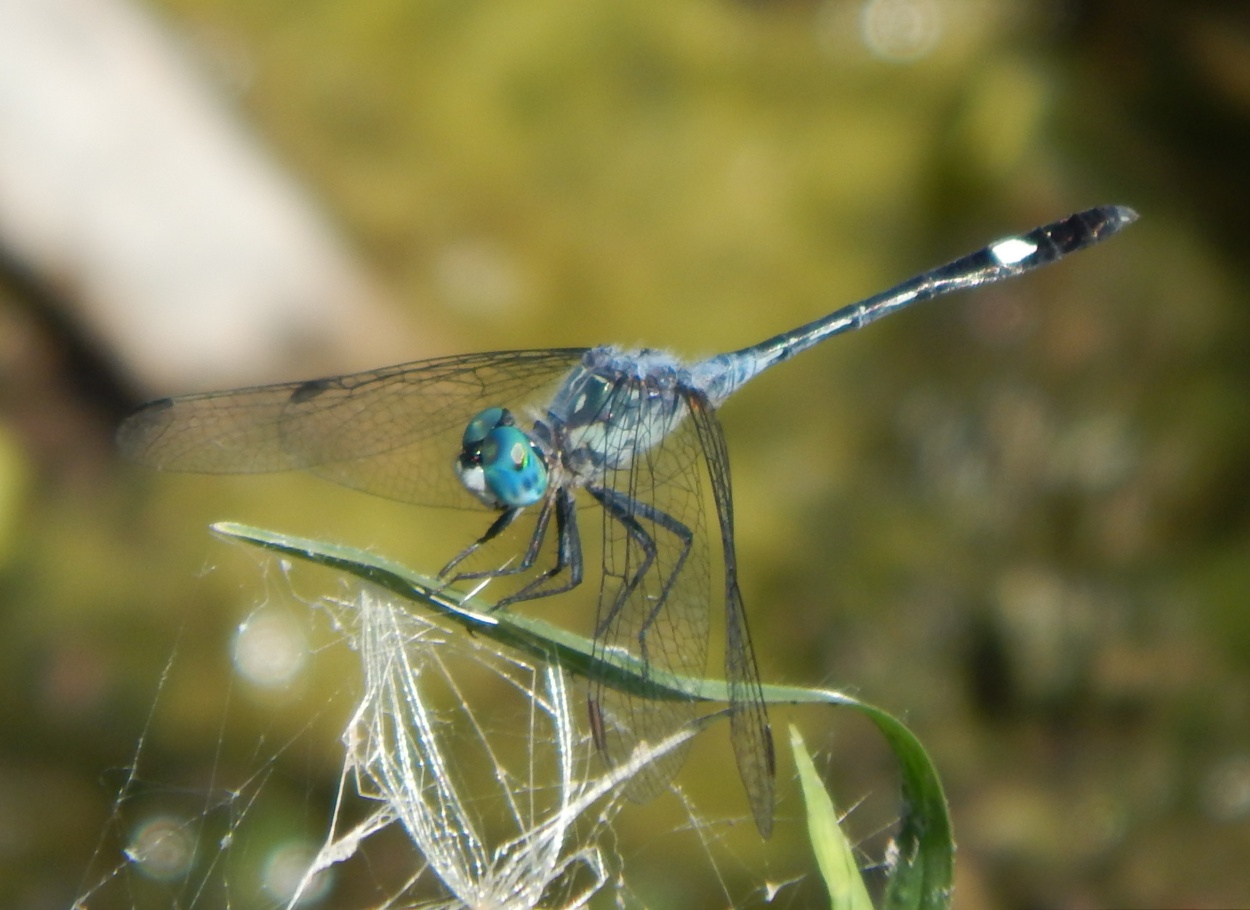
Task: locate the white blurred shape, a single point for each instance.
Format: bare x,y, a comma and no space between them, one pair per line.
270,650
130,187
163,848
1226,790
285,875
900,31
478,277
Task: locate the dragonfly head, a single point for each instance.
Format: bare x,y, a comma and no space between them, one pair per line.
499,463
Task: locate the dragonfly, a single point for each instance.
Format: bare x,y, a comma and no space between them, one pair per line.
631,436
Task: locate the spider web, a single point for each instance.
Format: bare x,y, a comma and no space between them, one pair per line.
465,779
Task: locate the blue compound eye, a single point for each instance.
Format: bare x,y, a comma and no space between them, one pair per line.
514,470
482,424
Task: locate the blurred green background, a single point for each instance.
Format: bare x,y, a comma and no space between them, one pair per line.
1019,517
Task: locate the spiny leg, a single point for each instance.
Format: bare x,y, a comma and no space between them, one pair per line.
626,510
568,555
598,727
610,506
496,528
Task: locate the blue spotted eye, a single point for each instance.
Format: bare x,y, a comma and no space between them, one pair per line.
482,424
514,470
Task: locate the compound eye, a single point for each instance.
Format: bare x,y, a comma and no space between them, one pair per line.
514,470
482,423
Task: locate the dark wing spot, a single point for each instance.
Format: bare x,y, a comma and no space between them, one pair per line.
138,431
153,407
307,391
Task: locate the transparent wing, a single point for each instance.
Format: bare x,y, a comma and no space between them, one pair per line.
393,432
655,585
748,718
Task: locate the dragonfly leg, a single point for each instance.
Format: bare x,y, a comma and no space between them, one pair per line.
504,520
682,533
497,527
626,510
568,555
612,507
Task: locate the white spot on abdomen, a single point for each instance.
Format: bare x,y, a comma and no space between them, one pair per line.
1012,250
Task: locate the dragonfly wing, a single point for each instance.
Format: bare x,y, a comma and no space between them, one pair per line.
748,718
653,598
393,432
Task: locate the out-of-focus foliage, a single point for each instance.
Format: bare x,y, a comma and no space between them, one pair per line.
1018,518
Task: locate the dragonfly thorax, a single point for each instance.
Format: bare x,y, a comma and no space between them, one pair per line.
499,463
615,406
